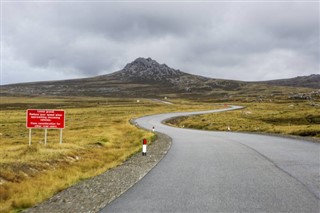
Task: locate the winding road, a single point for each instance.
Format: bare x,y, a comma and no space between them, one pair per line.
208,171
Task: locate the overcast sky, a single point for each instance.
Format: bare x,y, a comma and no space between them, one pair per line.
51,40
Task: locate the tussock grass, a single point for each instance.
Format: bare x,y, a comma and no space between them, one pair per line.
97,137
289,118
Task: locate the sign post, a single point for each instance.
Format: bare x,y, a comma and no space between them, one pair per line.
60,136
45,136
29,137
45,119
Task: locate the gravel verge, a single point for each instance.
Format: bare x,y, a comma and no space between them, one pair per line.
93,194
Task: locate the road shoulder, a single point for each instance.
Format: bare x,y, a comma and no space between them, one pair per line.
93,194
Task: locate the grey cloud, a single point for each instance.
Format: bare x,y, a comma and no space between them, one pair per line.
225,40
121,21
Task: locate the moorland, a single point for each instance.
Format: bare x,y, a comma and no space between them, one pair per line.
98,133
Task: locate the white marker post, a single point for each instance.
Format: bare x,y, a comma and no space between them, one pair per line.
144,147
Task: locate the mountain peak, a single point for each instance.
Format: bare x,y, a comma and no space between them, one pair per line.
142,63
147,69
144,60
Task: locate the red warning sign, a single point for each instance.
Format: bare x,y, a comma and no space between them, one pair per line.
45,119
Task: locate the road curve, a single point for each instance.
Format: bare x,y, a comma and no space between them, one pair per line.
226,172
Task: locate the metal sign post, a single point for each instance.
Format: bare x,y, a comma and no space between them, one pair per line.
45,136
60,136
29,137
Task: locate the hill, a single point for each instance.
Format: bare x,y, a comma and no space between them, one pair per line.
142,77
311,81
145,77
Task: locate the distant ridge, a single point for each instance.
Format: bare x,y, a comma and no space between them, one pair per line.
310,81
145,77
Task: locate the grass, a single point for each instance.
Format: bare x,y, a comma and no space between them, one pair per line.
285,117
97,137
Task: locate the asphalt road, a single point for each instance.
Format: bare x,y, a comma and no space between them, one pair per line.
226,172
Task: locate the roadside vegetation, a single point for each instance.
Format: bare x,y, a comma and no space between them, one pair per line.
97,137
300,118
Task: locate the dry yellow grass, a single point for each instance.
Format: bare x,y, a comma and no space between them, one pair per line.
290,118
97,137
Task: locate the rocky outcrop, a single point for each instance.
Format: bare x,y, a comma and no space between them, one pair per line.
147,69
